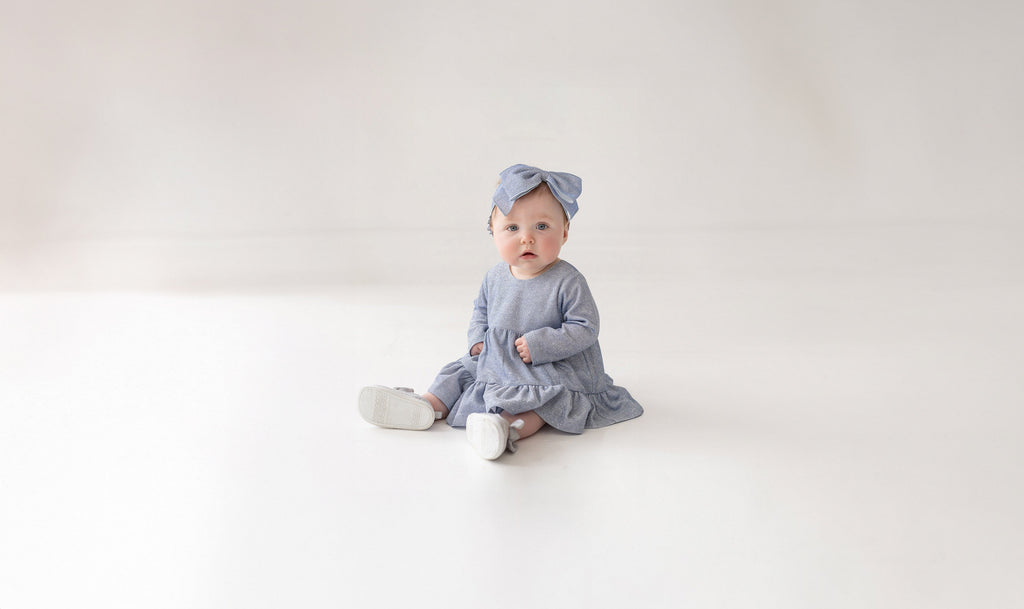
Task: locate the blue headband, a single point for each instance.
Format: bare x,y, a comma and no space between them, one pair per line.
518,180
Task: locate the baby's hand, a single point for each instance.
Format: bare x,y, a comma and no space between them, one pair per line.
523,349
477,348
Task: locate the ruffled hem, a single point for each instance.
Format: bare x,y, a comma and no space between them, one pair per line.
564,409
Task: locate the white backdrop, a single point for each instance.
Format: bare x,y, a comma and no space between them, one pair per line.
801,220
183,144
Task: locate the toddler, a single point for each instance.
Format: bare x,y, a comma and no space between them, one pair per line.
533,353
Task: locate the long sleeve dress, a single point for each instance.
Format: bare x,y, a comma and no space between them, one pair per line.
565,384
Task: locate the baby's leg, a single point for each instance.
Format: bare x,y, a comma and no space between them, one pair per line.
436,403
532,422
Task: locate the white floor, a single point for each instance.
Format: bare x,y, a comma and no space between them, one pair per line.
825,427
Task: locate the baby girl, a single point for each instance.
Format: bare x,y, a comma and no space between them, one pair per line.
533,358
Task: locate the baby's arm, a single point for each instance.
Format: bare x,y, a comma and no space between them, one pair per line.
478,323
580,324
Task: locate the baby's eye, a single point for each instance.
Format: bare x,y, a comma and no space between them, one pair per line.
511,228
542,226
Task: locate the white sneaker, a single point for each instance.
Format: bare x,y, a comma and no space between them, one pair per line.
491,435
397,408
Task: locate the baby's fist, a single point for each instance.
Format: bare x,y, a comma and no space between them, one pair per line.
523,349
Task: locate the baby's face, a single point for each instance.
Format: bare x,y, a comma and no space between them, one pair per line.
531,236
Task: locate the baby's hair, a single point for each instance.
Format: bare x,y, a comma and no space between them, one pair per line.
490,217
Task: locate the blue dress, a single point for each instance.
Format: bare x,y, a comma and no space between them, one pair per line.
565,384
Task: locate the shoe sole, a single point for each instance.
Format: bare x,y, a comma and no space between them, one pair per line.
486,435
386,407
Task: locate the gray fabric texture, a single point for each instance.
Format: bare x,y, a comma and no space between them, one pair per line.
518,180
565,384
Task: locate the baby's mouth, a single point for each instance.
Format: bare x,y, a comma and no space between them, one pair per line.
528,255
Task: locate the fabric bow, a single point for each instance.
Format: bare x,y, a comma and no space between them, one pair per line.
519,180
